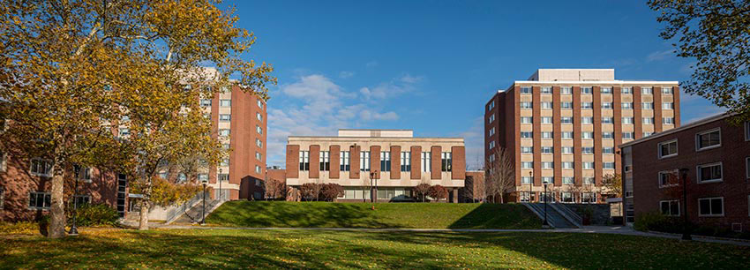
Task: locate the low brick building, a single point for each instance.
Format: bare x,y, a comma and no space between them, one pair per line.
714,157
474,189
389,163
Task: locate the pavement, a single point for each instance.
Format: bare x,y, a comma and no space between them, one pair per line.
621,230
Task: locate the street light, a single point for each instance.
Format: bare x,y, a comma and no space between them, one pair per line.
73,228
685,225
545,205
531,184
203,214
374,195
221,191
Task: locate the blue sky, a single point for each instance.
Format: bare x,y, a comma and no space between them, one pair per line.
430,66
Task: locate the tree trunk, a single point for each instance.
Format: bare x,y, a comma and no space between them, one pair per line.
501,199
145,206
57,207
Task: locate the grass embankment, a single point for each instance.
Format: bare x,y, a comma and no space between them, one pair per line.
218,248
386,215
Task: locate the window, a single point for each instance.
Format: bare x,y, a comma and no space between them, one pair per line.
527,149
546,120
364,161
666,90
325,161
226,146
587,105
224,132
492,118
525,90
588,197
548,165
527,135
568,165
608,135
646,134
41,167
546,90
304,160
628,168
588,165
205,103
124,132
588,180
567,135
747,131
567,150
709,173
668,179
258,143
567,197
492,131
667,120
629,194
567,105
708,207
587,135
207,115
647,91
670,208
608,150
587,120
667,105
627,90
547,150
526,105
627,105
181,177
525,180
39,200
257,170
259,116
203,177
405,161
668,149
527,164
547,105
628,135
447,161
747,168
224,162
547,180
223,177
527,120
258,129
608,120
260,104
426,164
647,105
566,90
568,180
586,90
609,165
587,150
547,135
344,161
225,117
648,120
163,175
607,105
606,90
491,106
385,161
82,173
708,139
566,120
492,144
225,103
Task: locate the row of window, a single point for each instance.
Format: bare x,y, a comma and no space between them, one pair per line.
566,165
43,200
385,161
584,135
565,197
566,150
223,103
588,90
605,105
590,120
707,207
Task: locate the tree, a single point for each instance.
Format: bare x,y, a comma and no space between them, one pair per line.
716,34
422,190
613,183
72,69
275,189
438,192
309,191
499,173
331,191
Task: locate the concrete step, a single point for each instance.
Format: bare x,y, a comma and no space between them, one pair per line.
195,214
554,218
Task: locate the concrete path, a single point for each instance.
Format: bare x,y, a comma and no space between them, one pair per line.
622,230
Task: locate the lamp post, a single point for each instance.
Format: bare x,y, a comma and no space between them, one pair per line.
531,184
374,193
221,191
73,228
685,225
203,214
545,205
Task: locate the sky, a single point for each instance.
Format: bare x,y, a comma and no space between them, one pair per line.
430,66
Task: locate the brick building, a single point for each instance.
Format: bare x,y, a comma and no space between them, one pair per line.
358,159
563,126
474,189
713,154
238,120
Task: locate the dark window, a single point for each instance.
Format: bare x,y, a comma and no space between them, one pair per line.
709,139
711,206
447,161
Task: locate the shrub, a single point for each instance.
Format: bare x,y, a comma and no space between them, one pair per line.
422,190
438,192
331,191
655,221
21,227
310,191
94,214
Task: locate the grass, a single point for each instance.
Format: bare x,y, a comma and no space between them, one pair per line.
387,215
220,248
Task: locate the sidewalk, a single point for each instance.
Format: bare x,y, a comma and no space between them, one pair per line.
622,230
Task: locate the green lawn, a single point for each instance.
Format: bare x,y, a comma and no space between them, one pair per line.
217,248
386,215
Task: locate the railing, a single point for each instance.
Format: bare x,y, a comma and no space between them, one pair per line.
570,214
178,211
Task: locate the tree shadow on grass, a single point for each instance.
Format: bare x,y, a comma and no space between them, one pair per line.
498,216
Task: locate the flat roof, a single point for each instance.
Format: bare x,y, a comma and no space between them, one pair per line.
675,130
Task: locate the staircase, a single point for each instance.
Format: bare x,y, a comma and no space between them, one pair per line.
554,218
195,214
568,213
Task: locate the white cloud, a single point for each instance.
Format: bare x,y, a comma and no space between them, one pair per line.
371,64
346,74
393,88
369,115
659,55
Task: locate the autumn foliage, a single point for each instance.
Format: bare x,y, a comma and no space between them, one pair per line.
438,192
